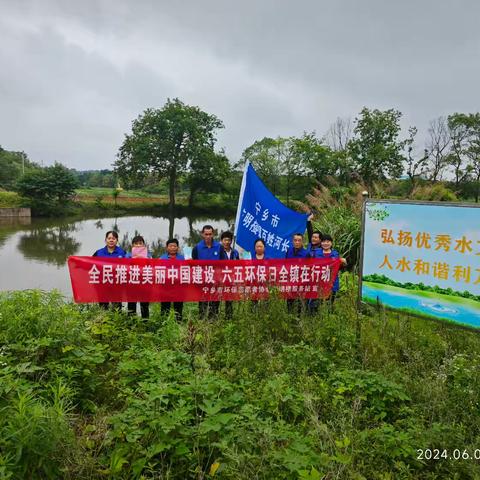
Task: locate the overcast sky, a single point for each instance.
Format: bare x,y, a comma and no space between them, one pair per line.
74,74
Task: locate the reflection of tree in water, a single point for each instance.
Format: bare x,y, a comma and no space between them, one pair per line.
51,244
98,225
157,247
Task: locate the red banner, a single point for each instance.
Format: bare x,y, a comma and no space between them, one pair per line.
97,279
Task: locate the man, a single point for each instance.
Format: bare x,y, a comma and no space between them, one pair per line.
207,249
314,247
228,253
172,254
314,250
297,250
295,305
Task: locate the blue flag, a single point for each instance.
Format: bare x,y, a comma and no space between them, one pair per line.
261,215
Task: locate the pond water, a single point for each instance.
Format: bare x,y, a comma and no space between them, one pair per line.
34,252
440,307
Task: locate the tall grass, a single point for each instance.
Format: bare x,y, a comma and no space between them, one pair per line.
87,394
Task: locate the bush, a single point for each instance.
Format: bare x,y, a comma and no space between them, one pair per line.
438,192
338,213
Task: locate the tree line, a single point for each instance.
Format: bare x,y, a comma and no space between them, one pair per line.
174,149
178,142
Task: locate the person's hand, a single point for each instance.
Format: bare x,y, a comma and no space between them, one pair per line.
343,261
310,217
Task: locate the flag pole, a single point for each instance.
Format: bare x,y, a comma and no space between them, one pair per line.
240,201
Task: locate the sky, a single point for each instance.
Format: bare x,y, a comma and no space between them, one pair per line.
74,75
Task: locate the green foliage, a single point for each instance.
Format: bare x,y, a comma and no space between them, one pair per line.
86,393
438,193
48,188
164,142
337,212
12,166
10,200
208,173
376,150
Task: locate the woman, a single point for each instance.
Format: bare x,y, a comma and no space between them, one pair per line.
259,250
112,250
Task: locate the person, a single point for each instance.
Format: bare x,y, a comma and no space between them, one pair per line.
297,250
258,254
111,250
172,254
207,249
329,252
139,250
295,305
314,239
259,250
228,253
314,250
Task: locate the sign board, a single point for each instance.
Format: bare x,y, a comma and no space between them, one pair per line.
422,258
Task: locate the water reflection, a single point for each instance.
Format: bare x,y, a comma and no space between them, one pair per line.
35,255
51,245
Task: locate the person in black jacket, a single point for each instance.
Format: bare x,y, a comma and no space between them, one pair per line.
228,253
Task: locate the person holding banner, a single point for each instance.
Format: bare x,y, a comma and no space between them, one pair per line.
139,250
207,249
329,252
172,254
314,247
111,249
295,305
228,253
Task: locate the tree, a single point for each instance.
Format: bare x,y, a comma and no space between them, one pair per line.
458,124
274,159
416,165
208,172
50,187
163,143
438,146
317,159
339,134
465,155
12,166
376,150
263,156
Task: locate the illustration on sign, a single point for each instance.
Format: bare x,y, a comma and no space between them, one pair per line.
423,258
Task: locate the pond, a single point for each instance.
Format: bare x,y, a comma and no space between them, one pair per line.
34,252
456,310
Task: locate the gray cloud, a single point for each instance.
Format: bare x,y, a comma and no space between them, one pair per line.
75,74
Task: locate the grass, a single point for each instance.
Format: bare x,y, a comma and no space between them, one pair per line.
89,394
10,199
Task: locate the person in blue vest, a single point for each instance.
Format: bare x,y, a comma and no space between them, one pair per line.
207,249
314,250
139,250
228,253
329,252
111,250
314,247
172,254
296,305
